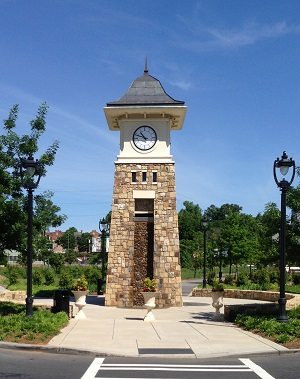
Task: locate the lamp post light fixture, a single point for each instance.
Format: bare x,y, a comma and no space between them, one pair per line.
104,229
204,226
30,171
283,165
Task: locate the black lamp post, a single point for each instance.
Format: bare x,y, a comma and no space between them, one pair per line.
104,229
283,165
204,226
31,175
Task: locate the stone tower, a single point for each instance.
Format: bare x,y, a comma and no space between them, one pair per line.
144,240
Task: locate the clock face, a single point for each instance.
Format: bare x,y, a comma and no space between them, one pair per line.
144,138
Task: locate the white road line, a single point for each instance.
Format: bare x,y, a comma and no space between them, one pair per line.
245,369
247,366
145,365
257,369
93,369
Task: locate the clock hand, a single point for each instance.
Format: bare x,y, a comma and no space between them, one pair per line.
142,136
145,138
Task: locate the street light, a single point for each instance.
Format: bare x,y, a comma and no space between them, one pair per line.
283,165
204,226
104,229
31,174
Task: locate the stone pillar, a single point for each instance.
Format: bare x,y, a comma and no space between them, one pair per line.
121,281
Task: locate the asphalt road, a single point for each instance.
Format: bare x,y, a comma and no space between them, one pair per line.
188,285
24,364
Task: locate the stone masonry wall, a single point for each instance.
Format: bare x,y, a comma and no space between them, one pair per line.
166,261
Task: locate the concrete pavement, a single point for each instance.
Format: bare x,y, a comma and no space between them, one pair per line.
188,331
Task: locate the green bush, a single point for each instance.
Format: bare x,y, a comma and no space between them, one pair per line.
37,277
19,270
274,276
296,279
281,332
49,277
242,279
229,279
12,275
15,326
262,277
211,277
65,280
92,273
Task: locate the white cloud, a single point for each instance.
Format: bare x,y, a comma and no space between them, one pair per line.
250,33
210,39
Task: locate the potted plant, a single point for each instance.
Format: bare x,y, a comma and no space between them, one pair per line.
149,294
80,290
217,298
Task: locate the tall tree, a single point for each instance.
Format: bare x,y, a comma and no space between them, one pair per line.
189,220
269,235
46,213
14,148
68,240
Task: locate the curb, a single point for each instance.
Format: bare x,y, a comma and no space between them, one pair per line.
73,351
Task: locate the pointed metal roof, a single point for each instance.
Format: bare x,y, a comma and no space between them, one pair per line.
145,90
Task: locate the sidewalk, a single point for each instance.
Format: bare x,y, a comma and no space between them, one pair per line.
185,332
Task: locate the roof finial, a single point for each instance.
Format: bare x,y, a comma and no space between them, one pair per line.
146,66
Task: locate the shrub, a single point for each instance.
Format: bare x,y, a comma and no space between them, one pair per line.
80,284
274,276
242,279
12,275
262,277
149,285
279,331
296,279
211,277
217,286
65,280
49,277
229,279
37,277
41,327
92,274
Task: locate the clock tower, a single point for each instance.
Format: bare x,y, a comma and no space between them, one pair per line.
144,239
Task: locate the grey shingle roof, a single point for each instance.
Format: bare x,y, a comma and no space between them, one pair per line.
145,90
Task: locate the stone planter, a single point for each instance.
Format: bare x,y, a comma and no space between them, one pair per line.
149,304
80,297
217,303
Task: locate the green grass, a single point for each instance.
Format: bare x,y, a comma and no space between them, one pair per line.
40,328
280,332
42,290
293,288
187,273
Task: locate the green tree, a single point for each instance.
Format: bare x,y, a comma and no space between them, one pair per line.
293,235
14,148
269,234
239,237
83,242
68,240
189,220
70,256
190,234
42,248
46,213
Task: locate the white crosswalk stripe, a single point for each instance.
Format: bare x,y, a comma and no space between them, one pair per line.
98,365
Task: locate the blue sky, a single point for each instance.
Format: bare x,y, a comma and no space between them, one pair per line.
234,63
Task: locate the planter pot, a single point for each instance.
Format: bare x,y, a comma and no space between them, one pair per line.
80,297
149,304
217,303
